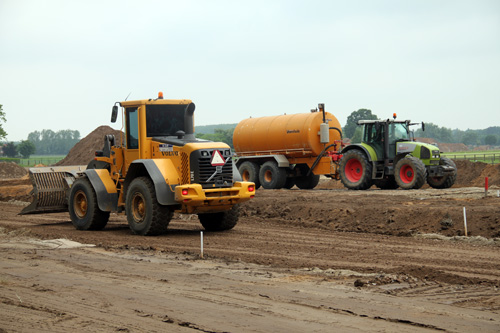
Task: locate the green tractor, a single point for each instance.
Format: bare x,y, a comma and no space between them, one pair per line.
388,157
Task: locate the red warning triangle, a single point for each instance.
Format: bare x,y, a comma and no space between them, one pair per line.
217,158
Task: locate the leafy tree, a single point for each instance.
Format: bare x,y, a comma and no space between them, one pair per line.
10,149
470,138
352,121
220,135
358,135
3,134
490,139
26,148
48,142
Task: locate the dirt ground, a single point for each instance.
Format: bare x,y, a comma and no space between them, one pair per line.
298,261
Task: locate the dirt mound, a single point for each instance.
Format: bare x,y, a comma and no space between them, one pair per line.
474,173
84,151
11,170
444,147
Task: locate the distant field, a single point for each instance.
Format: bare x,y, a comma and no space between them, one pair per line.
486,156
40,159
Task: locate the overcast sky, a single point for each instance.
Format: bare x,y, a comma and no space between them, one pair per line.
64,63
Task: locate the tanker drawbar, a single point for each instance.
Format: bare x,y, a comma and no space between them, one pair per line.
50,185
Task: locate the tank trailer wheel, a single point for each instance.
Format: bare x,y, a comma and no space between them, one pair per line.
250,172
220,221
271,176
290,182
356,170
410,173
446,181
145,215
307,182
83,208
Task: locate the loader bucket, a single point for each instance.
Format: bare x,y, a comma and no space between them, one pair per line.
50,187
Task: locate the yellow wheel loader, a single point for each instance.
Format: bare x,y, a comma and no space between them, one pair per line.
161,169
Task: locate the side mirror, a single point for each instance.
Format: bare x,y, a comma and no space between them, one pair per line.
423,126
190,108
114,113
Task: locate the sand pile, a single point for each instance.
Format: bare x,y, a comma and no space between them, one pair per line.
11,170
84,151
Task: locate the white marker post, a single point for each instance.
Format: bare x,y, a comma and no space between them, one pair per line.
201,242
465,222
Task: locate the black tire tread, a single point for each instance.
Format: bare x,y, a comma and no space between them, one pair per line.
420,172
220,221
98,218
160,214
366,182
446,181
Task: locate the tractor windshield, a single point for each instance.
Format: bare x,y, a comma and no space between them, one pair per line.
164,120
398,131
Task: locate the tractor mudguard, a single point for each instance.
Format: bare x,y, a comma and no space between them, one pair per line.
105,189
369,151
163,174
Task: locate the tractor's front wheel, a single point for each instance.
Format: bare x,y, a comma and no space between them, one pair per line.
410,173
220,221
356,170
145,215
445,181
83,208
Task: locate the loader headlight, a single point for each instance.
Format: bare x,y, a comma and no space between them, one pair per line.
436,154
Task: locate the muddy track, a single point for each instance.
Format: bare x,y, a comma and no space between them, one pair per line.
361,260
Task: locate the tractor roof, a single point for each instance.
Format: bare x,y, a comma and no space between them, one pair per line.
361,122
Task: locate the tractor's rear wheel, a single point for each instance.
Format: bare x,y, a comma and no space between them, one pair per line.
410,173
446,181
83,208
271,176
145,215
356,170
250,172
220,221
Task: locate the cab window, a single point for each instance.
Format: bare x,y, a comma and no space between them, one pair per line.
132,128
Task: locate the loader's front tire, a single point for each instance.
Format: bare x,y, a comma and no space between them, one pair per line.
225,220
83,208
410,173
145,215
356,170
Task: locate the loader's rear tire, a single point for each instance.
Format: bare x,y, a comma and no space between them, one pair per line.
410,173
356,170
145,215
271,176
250,172
307,182
446,181
225,220
83,208
388,183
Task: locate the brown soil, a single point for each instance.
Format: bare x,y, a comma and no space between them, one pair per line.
375,260
84,151
445,147
11,170
297,261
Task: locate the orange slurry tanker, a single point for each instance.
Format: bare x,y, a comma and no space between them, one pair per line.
286,150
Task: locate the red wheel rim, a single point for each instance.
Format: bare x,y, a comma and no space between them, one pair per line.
406,174
353,170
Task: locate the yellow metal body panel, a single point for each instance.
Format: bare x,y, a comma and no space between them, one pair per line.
198,200
106,180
